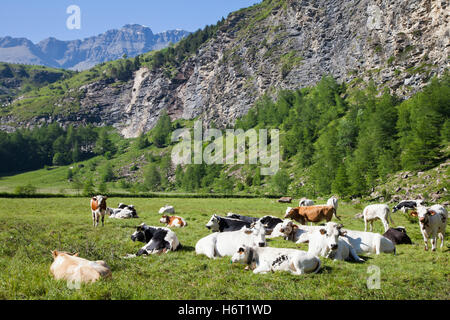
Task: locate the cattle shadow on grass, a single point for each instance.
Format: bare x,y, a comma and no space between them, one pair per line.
186,248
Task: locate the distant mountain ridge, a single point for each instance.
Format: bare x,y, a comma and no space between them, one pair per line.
132,40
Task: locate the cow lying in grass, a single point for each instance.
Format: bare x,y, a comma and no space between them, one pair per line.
123,212
158,240
74,269
173,221
225,224
266,259
326,242
220,244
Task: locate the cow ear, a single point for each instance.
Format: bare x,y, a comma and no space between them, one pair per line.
241,250
294,226
94,198
432,212
76,254
414,213
342,233
54,253
248,231
323,231
105,197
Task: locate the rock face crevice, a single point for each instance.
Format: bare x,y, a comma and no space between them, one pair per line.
284,44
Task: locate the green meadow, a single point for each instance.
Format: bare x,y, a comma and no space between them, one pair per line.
31,228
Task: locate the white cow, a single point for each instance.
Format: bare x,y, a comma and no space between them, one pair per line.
327,243
333,201
305,202
220,244
167,209
377,211
432,221
296,233
267,259
368,242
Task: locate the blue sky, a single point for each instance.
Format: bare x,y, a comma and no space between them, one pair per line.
40,19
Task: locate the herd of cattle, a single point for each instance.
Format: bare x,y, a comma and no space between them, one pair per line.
243,238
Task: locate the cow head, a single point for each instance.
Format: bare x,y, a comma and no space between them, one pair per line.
99,202
329,236
258,234
424,215
213,223
165,219
288,227
142,234
56,254
244,255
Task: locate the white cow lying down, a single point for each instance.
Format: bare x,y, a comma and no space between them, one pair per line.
296,233
368,242
326,242
265,259
220,244
77,270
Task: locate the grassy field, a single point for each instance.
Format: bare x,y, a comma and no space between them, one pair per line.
30,228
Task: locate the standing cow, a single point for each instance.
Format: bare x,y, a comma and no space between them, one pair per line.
433,222
311,214
377,211
98,208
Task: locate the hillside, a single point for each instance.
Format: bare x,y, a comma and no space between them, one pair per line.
131,40
278,44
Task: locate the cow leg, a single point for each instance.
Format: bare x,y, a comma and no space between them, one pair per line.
386,225
433,243
365,225
441,237
425,240
103,220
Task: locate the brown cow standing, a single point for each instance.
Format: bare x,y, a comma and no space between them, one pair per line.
98,207
311,214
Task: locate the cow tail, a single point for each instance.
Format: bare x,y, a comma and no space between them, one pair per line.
319,266
335,214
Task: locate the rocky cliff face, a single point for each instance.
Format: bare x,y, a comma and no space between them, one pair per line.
282,44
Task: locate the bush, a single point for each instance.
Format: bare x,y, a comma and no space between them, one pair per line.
25,190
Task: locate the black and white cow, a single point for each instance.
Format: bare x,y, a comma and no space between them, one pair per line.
407,205
123,211
157,239
398,235
270,222
223,224
242,218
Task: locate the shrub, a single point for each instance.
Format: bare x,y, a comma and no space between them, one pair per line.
25,190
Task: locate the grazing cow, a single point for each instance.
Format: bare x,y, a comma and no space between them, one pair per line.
74,269
298,234
432,222
222,224
98,208
305,203
377,211
242,218
285,200
173,221
157,239
311,214
123,212
397,235
266,259
333,201
367,242
326,242
407,205
222,244
167,210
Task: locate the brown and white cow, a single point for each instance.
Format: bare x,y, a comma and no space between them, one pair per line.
311,214
98,208
77,270
173,221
